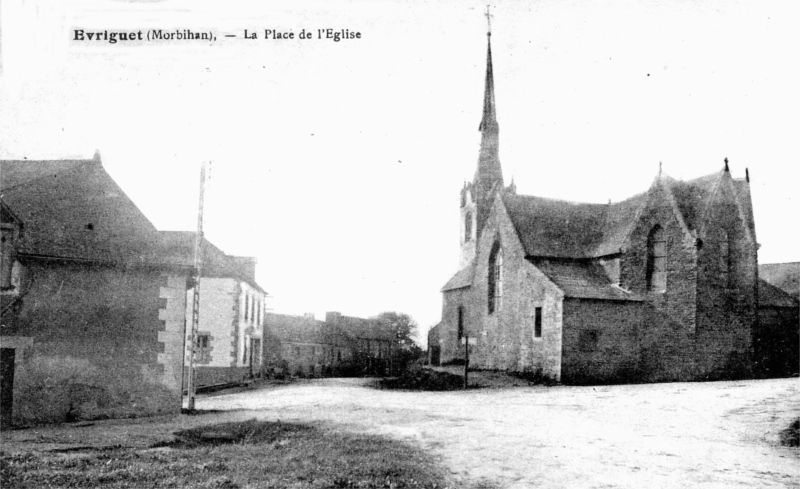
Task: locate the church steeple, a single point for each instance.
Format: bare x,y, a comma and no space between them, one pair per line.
489,174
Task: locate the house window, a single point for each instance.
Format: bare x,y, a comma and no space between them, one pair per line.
495,279
246,306
537,322
587,341
255,353
657,260
460,322
203,348
468,227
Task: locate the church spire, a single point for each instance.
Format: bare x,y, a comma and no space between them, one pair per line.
489,174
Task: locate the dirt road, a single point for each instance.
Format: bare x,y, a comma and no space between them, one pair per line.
720,434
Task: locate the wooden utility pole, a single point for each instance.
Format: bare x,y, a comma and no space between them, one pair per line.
198,263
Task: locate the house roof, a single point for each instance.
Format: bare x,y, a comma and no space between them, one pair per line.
298,329
462,278
177,247
74,209
583,280
771,296
302,329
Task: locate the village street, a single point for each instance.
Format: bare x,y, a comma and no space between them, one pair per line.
720,434
714,434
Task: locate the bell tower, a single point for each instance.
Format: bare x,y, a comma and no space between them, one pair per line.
477,196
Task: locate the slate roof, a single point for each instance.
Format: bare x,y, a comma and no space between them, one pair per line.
74,209
583,280
562,229
298,329
301,329
771,296
177,247
551,228
462,278
785,276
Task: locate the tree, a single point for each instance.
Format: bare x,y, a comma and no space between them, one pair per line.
400,326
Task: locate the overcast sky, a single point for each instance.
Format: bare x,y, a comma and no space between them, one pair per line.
339,164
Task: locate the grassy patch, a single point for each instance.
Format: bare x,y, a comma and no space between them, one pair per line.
233,455
790,437
425,380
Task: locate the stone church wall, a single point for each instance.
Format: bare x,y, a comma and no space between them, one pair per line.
679,299
600,341
505,337
725,302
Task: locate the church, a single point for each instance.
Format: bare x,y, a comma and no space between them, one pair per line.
662,286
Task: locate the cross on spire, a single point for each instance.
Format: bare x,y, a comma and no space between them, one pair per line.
488,21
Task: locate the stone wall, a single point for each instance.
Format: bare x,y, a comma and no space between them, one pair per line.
450,347
776,342
600,341
679,300
504,338
726,303
103,342
219,311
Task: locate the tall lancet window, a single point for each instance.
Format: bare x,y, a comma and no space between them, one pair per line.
495,282
657,260
468,227
725,258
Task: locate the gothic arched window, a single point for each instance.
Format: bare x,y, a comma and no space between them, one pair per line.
468,226
657,260
725,258
495,278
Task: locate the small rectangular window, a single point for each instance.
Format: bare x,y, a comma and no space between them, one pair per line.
587,341
537,322
203,348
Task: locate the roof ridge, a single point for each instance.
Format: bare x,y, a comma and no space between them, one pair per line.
78,164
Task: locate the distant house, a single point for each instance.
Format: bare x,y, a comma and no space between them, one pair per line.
339,345
92,320
232,310
304,346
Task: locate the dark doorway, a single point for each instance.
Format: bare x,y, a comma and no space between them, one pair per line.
7,357
435,355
